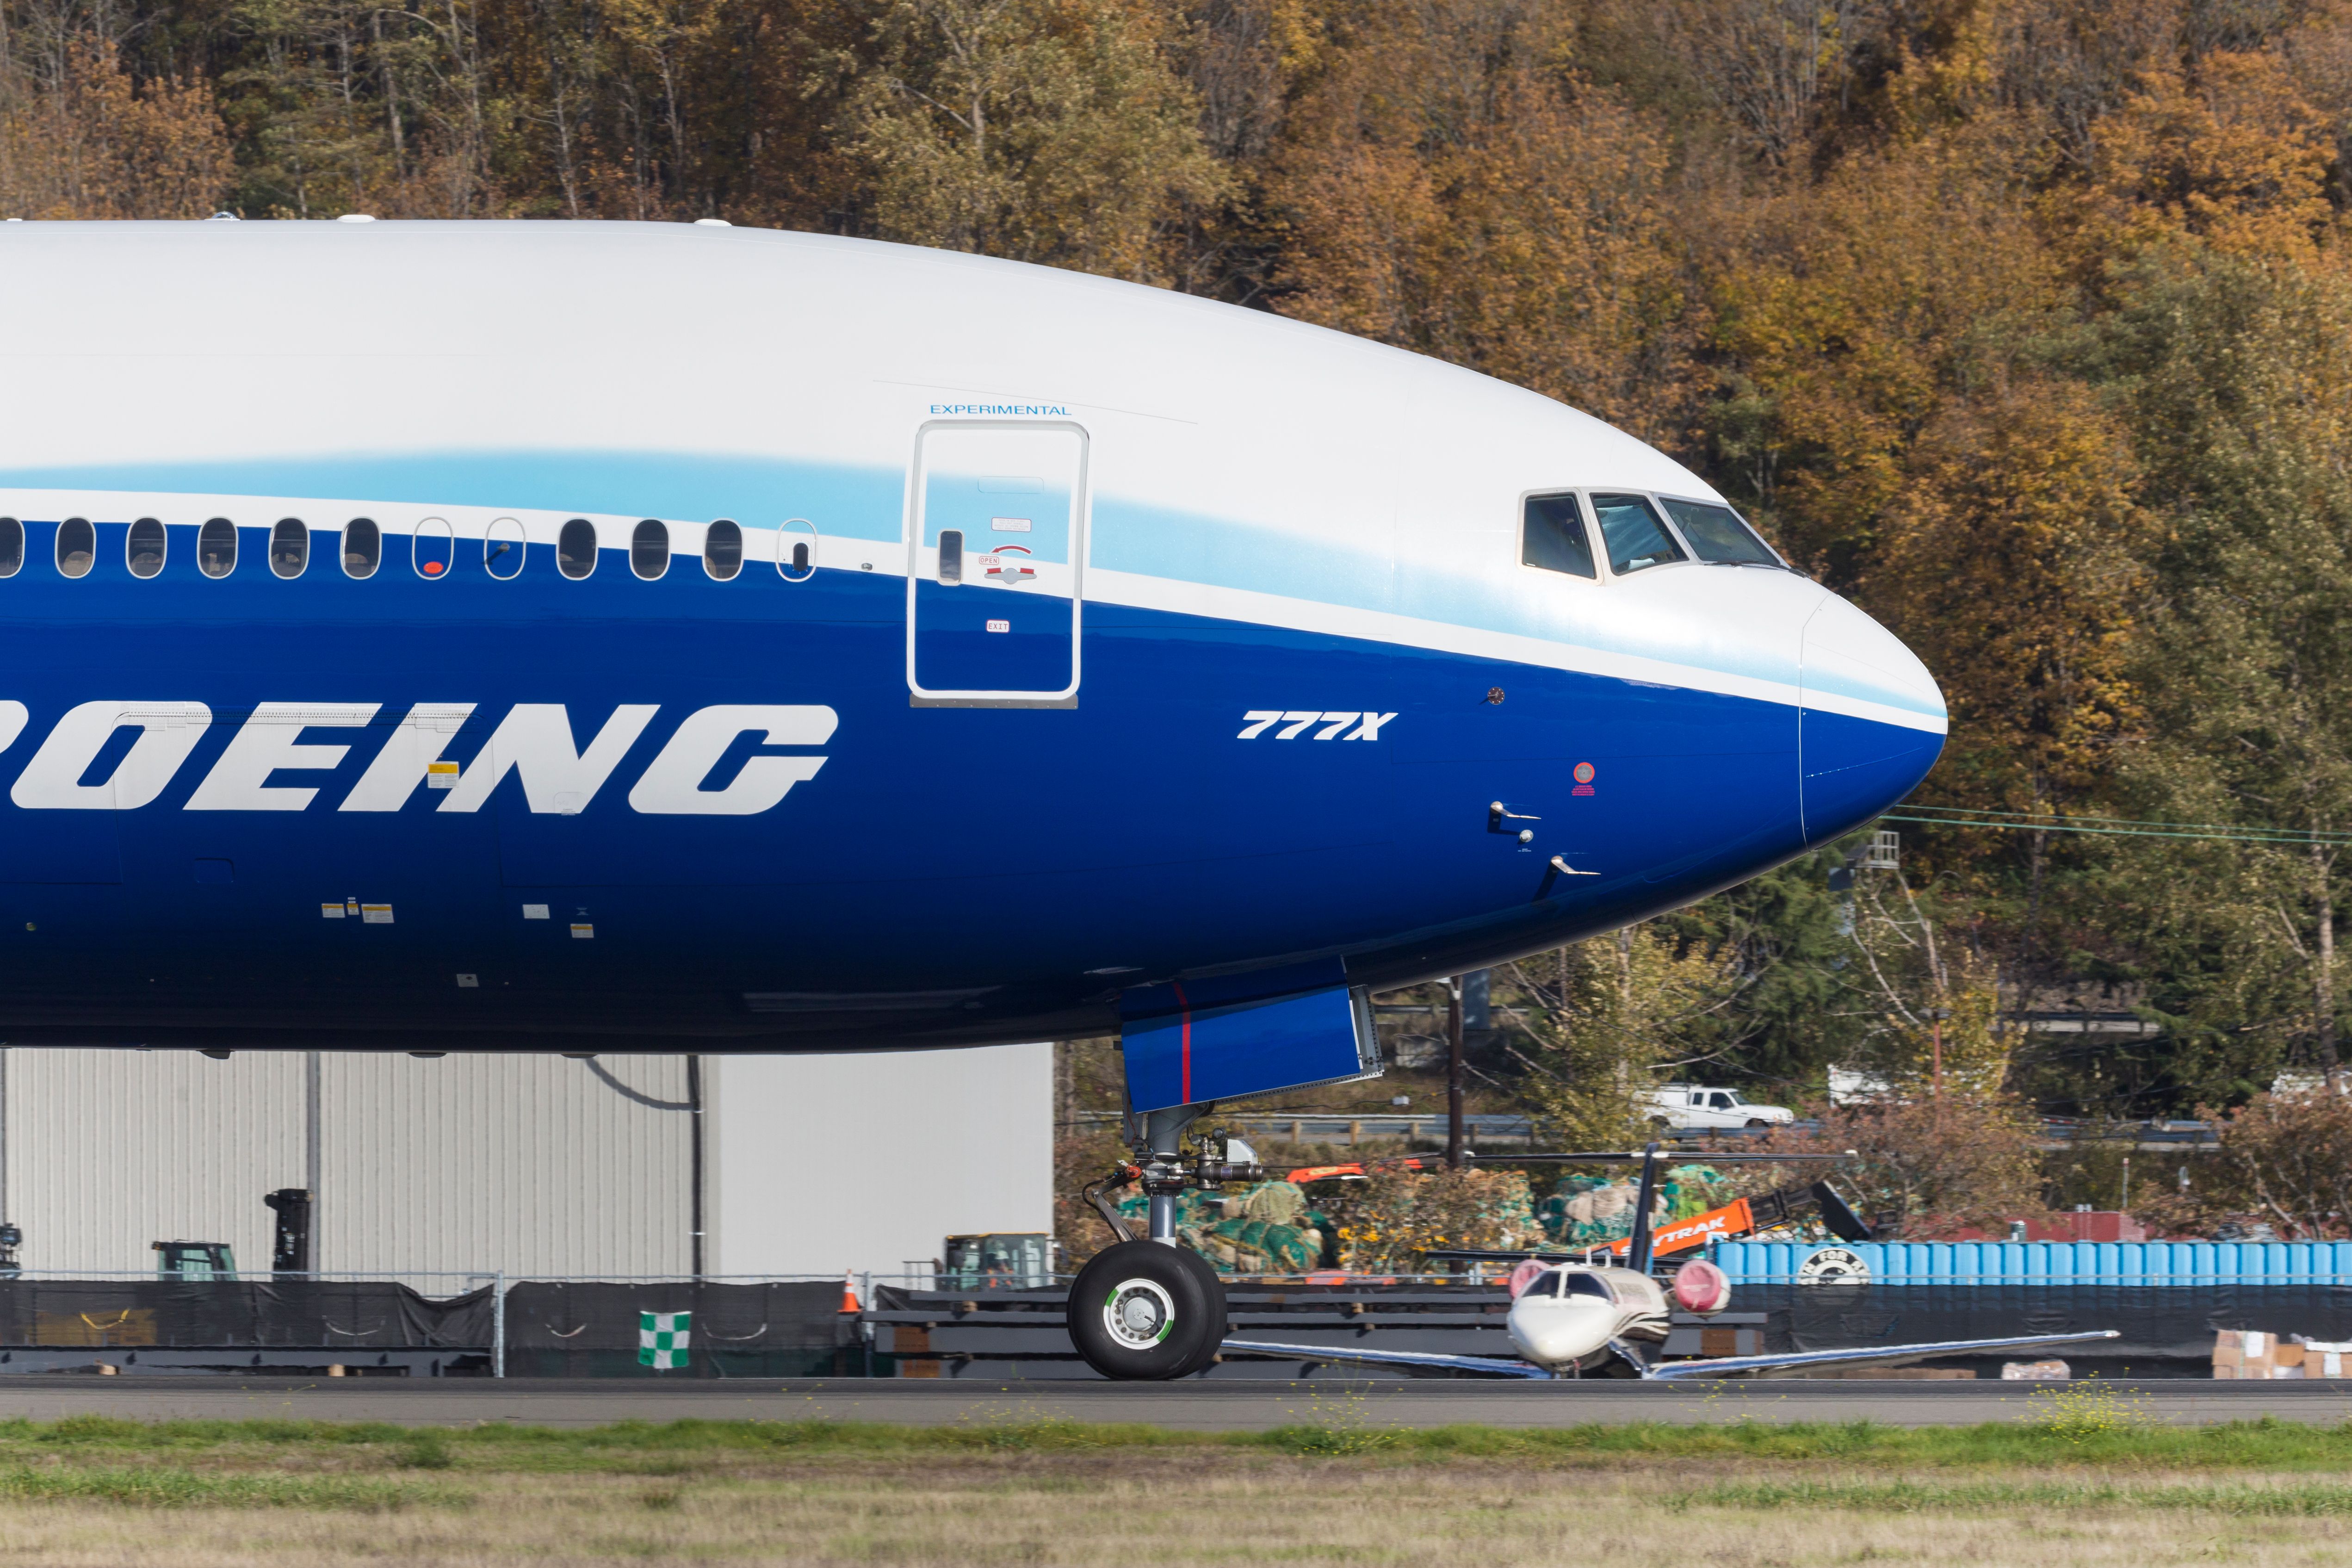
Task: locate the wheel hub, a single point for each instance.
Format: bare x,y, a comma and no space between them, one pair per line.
1139,1313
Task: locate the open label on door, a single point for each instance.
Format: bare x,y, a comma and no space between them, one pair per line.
996,623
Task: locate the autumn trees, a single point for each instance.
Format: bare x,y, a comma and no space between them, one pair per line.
77,141
2023,322
1053,133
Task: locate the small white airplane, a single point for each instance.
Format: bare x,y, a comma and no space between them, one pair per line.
1570,1320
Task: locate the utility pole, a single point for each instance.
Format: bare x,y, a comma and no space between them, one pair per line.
1453,1074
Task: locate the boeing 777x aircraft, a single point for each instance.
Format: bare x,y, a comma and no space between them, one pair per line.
636,637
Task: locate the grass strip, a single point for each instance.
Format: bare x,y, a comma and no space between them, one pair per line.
1919,1497
2041,1436
148,1486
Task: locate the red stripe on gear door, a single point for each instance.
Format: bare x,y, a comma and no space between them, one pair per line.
1185,1052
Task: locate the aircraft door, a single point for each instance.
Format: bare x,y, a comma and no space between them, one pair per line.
997,550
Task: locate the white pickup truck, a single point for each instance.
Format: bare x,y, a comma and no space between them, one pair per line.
1690,1105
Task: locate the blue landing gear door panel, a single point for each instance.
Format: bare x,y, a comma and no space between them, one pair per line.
1222,1037
997,536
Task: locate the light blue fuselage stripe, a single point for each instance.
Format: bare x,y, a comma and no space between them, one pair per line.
853,503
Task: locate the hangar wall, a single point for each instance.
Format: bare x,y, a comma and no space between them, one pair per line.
539,1165
531,1163
869,1161
108,1152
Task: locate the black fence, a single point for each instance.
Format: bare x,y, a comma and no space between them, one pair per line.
2166,1332
590,1330
361,1328
796,1328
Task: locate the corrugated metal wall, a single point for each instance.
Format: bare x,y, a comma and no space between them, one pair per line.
529,1163
109,1152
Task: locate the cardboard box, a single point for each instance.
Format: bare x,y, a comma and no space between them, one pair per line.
2287,1356
2324,1358
2038,1371
2244,1353
1896,1374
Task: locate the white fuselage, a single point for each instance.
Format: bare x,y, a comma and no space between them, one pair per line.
1567,1318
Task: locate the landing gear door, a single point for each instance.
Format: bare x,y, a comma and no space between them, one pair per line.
997,537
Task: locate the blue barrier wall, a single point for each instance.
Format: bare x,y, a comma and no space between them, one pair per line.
2182,1263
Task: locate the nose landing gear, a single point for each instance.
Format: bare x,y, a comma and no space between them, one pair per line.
1144,1308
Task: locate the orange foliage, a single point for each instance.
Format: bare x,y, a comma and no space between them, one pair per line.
1855,307
2235,158
1519,221
90,146
2009,561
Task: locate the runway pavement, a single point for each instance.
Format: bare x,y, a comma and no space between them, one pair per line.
1192,1405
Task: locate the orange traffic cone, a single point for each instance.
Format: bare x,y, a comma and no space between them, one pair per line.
848,1294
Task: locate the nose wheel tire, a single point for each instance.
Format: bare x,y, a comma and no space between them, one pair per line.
1143,1309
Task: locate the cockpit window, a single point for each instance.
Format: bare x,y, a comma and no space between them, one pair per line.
1584,1285
1635,537
1552,535
1717,534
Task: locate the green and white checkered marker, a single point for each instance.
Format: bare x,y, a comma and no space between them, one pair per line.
663,1338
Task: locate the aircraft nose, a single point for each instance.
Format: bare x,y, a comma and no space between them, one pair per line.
1553,1332
1873,722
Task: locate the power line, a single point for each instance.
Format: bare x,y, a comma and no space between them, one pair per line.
2119,826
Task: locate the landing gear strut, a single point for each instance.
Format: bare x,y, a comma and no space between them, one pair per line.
1144,1306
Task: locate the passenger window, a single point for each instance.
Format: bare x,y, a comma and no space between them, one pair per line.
289,547
11,547
722,551
144,547
1635,537
216,547
77,546
432,549
649,550
796,550
575,548
951,555
363,547
1717,534
503,549
1552,535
